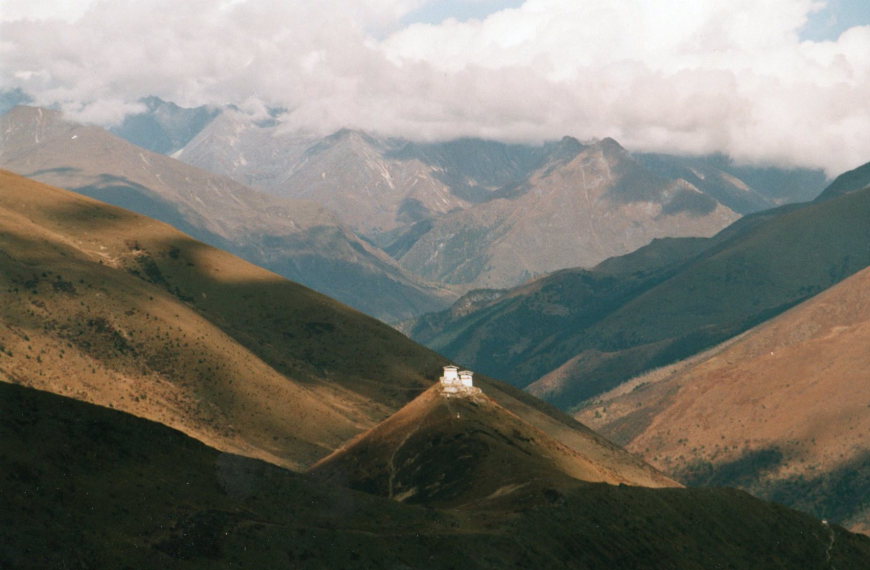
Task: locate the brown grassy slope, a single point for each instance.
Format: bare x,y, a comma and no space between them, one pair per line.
110,307
611,461
120,310
447,449
783,410
84,486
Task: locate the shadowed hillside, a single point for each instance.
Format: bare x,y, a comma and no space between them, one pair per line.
847,182
84,486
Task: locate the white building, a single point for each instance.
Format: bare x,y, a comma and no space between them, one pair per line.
465,378
455,381
451,376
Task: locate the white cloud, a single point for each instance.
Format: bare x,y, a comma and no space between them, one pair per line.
68,10
710,75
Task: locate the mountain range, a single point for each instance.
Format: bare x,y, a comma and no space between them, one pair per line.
779,408
110,307
577,333
476,213
295,238
120,310
406,225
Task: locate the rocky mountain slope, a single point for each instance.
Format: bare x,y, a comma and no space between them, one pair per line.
781,410
578,333
580,207
253,153
743,188
88,486
379,186
478,213
295,238
163,126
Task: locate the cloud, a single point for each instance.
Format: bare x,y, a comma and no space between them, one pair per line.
67,10
657,75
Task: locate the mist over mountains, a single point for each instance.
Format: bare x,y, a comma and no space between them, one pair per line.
476,213
295,238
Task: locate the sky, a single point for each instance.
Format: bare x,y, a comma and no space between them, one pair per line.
781,82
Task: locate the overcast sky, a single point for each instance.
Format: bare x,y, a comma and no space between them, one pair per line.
771,81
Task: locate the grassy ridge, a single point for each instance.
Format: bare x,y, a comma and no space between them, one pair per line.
108,306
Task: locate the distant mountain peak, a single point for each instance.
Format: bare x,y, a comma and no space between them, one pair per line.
609,145
566,149
29,111
351,134
851,181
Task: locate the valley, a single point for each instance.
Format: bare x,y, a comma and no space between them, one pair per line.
577,333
